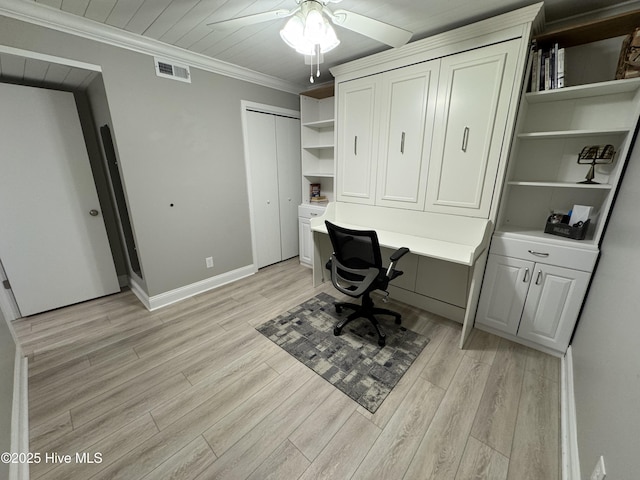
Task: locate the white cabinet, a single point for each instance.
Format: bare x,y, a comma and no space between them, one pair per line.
407,108
305,214
356,140
532,301
429,136
474,96
273,144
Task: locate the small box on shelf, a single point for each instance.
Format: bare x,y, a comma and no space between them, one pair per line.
562,229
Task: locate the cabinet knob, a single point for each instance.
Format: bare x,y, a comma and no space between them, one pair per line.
268,202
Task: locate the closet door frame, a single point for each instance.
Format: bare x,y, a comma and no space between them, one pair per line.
247,106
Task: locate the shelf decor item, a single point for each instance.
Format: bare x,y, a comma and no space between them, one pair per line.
629,61
577,232
595,155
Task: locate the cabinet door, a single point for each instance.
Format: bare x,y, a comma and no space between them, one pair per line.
407,108
306,241
357,130
289,179
552,306
504,290
261,142
474,95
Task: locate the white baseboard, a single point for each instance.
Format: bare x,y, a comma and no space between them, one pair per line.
173,296
20,416
570,457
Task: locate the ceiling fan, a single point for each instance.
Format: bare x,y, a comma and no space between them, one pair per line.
309,33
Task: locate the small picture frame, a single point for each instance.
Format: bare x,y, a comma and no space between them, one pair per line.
314,190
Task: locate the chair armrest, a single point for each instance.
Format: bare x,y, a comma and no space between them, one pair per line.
369,274
398,254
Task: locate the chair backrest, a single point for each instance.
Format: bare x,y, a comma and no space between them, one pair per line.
355,248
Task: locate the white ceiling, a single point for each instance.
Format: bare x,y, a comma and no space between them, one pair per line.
183,23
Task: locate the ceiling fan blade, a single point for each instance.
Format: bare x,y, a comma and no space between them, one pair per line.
252,19
383,32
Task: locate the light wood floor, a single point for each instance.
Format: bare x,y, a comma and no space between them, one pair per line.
193,391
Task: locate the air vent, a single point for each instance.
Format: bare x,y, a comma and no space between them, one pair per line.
172,70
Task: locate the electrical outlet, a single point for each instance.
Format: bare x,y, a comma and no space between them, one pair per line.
599,472
209,261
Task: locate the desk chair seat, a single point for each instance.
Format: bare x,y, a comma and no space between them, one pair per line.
356,270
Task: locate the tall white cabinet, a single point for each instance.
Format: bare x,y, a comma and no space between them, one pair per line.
427,128
273,144
535,282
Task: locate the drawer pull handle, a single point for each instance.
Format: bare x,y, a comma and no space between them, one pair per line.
526,275
314,214
538,254
402,144
355,145
538,277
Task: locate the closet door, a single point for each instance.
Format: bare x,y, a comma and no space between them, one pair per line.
265,196
474,93
407,108
289,179
357,140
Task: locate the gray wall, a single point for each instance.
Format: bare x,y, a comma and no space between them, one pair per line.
178,144
7,357
606,346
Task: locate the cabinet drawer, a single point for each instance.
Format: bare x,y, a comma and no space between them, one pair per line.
576,258
309,211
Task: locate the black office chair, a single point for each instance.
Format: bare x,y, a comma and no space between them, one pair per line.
356,270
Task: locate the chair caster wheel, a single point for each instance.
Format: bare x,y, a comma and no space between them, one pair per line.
336,331
338,309
382,342
398,320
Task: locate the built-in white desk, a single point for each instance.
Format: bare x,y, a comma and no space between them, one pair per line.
451,238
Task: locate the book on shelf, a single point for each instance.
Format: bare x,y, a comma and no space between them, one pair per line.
547,70
318,199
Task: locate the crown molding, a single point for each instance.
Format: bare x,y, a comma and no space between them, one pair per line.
55,19
495,29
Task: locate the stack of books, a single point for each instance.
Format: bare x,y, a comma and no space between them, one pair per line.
547,71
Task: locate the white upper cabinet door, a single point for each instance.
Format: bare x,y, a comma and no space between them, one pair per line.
552,306
357,140
407,112
504,291
475,91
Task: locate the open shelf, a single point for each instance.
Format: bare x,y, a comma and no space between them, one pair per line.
328,123
598,186
572,133
583,91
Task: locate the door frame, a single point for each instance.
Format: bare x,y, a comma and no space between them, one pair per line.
8,305
248,106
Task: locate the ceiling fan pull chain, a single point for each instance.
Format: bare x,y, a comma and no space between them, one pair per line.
318,62
311,76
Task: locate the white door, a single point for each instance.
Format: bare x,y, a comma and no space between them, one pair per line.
289,179
553,305
357,140
504,290
53,242
469,129
408,107
265,197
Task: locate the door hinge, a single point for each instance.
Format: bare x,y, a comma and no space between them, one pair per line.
6,284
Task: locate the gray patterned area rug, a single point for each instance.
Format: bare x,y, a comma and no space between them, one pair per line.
352,362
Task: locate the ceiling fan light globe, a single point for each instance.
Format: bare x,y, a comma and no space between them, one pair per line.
293,32
330,40
315,27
